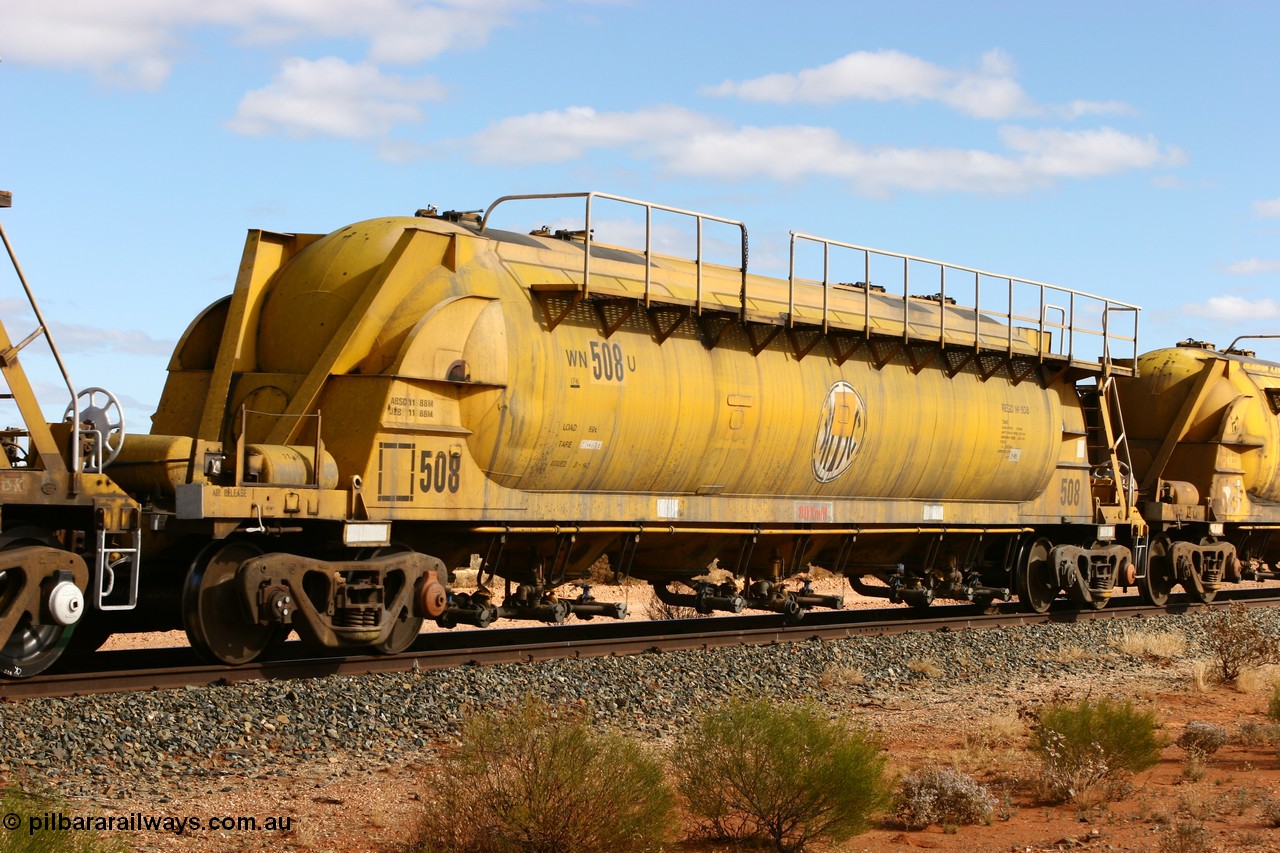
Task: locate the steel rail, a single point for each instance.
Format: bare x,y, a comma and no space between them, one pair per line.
125,671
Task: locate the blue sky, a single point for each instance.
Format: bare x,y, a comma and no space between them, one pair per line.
1122,148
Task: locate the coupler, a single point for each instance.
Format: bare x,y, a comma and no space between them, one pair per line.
476,610
765,595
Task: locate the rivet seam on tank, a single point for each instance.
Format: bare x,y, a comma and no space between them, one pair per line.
840,428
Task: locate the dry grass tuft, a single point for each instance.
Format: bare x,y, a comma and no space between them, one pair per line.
1154,645
834,677
1201,675
1257,679
925,666
997,732
996,745
1066,654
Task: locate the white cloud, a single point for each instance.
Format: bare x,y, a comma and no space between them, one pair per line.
988,92
135,42
1234,309
332,97
1253,266
890,75
884,76
404,151
559,135
73,338
1083,153
76,338
689,143
1268,208
1079,109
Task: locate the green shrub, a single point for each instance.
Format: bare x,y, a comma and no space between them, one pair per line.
541,781
758,772
31,837
1238,639
1087,750
942,796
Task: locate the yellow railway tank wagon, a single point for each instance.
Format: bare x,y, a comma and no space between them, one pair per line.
1205,439
430,385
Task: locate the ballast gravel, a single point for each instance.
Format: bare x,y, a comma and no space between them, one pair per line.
197,739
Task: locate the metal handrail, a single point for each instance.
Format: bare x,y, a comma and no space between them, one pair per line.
1071,325
649,207
1072,305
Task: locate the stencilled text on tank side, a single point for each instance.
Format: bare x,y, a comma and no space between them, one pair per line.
1013,430
408,408
815,512
840,428
603,362
11,485
569,442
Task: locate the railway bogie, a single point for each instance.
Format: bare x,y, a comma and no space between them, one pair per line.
371,407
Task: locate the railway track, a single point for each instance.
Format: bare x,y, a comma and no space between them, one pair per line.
171,668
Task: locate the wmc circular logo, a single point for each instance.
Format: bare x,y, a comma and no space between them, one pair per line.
840,428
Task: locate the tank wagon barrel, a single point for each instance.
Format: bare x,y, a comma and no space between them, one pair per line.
372,408
544,399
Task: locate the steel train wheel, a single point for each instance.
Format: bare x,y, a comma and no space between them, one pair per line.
407,625
1155,586
401,637
1035,578
31,648
213,611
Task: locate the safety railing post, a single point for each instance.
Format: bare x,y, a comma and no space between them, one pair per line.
791,281
1009,317
826,287
648,254
942,305
906,296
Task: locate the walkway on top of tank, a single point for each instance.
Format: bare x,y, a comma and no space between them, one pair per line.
972,309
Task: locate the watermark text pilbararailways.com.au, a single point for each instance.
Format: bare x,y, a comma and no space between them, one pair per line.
142,822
